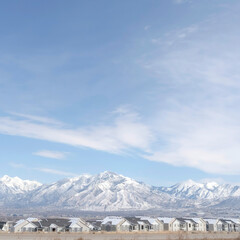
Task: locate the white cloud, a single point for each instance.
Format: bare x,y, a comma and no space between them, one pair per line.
56,172
51,154
200,68
125,132
37,118
205,140
195,122
16,165
46,170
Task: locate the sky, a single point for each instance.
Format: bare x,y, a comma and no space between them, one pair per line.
144,88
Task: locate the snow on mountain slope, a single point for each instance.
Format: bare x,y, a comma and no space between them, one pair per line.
105,191
13,189
16,185
109,191
205,191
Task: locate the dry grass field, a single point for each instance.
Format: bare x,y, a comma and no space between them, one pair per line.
119,236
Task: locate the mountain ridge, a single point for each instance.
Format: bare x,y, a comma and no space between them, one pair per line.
109,191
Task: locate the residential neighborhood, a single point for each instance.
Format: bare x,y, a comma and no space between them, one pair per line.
121,224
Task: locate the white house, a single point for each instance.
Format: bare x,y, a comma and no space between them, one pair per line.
135,224
183,224
78,225
221,225
201,224
28,225
127,226
8,226
177,224
112,223
191,225
155,224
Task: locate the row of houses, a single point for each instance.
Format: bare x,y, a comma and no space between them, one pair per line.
122,224
170,224
47,225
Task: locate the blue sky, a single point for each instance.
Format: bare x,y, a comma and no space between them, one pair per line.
149,89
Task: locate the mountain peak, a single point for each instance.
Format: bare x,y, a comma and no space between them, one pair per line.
17,185
107,174
186,185
191,183
5,178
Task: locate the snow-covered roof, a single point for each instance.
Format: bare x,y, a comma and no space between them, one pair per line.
229,221
235,220
165,219
197,220
74,221
112,219
150,220
19,222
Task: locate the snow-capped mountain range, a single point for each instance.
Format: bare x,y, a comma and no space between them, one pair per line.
109,191
207,191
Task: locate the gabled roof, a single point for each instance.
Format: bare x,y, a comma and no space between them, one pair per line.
36,223
95,223
20,222
77,221
151,220
190,220
222,220
112,220
60,222
185,220
229,221
137,221
181,220
197,220
235,220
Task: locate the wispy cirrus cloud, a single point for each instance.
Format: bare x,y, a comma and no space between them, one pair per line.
208,141
56,172
45,170
195,117
16,165
124,132
199,124
37,118
51,154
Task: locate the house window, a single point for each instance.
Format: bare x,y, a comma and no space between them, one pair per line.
189,225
